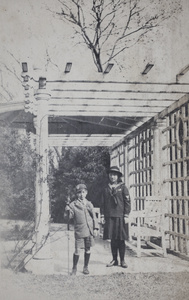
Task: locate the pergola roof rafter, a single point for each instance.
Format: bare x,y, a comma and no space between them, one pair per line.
127,105
99,113
96,123
115,86
86,140
114,99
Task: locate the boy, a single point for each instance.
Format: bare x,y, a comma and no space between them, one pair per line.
81,210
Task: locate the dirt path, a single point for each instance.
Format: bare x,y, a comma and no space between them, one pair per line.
146,278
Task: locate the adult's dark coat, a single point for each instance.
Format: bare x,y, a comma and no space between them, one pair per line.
115,205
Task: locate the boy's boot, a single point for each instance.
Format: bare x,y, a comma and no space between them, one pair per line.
122,254
114,248
75,261
86,262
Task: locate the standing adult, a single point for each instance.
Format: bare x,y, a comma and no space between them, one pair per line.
115,209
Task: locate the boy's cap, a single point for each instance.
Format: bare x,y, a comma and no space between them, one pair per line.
80,187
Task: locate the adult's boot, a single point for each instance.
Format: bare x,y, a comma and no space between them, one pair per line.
122,254
114,250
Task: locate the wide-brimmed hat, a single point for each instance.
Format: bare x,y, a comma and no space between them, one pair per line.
115,169
80,187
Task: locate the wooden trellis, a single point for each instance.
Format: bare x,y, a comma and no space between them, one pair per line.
177,131
143,178
118,157
157,160
140,166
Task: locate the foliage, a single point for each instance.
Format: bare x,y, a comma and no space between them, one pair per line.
17,165
77,165
17,175
110,27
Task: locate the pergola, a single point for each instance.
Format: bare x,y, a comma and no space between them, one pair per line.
94,113
83,113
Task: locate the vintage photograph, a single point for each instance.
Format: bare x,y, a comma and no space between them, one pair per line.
94,149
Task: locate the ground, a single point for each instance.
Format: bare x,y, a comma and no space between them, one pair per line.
164,286
146,278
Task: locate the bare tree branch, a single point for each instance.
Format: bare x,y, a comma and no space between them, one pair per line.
49,60
8,93
11,71
11,54
3,96
105,26
57,153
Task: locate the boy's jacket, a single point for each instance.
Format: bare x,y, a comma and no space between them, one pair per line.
84,218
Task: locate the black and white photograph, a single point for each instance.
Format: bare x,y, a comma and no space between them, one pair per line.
94,149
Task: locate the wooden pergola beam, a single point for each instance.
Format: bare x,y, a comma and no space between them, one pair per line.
109,100
7,107
91,140
183,100
108,113
56,97
113,86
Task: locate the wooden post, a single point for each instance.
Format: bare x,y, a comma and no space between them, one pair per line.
126,164
130,181
160,157
130,174
157,157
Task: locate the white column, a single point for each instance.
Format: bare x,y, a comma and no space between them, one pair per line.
42,212
41,260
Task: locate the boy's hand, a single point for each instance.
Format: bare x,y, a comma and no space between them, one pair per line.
67,208
126,220
102,220
95,232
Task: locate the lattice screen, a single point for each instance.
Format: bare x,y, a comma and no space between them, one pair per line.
118,157
140,158
178,147
171,161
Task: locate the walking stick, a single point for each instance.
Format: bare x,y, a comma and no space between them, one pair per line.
68,235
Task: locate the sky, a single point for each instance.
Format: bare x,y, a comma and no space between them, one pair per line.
31,32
